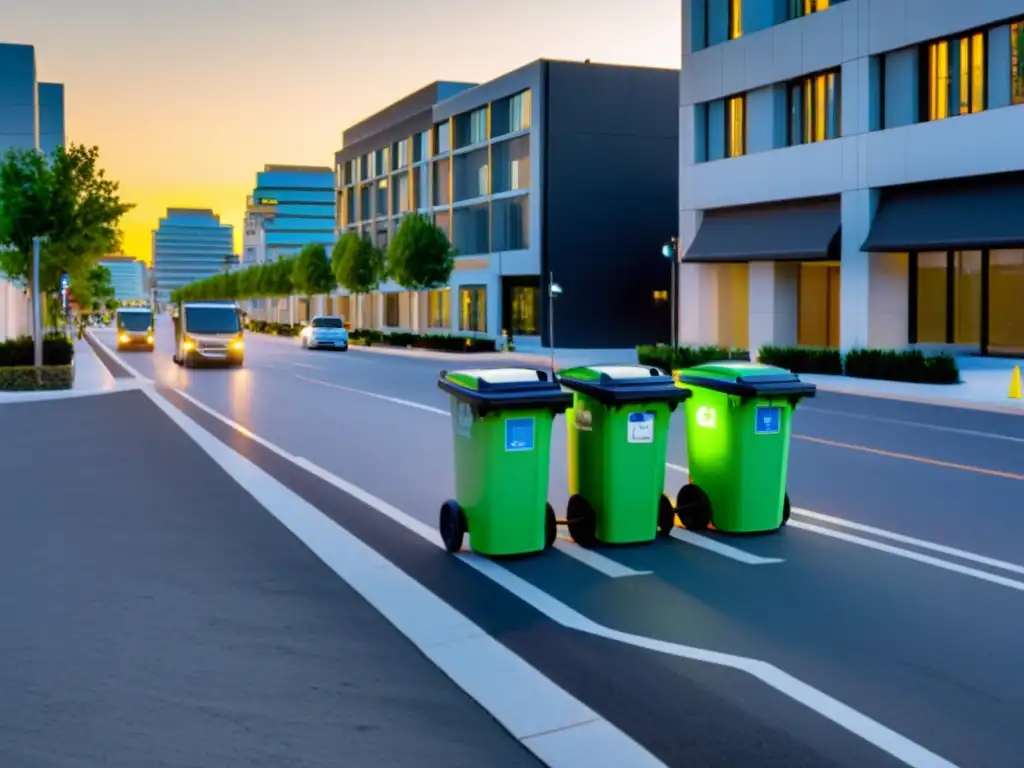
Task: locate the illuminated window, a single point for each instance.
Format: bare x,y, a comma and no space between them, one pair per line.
798,8
955,73
735,19
439,308
815,112
1017,63
736,126
473,309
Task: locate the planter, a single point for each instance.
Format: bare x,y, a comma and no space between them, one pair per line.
30,379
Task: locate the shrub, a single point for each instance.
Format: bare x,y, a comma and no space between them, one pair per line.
28,379
57,350
908,365
803,359
668,359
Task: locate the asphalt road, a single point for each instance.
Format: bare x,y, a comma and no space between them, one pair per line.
155,615
920,634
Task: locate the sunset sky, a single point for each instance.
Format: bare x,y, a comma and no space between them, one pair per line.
188,99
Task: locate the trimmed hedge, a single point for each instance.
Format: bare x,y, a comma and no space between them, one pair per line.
20,351
803,359
368,337
911,365
668,359
22,378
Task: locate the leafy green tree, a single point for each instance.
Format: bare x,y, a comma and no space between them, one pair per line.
66,199
420,255
96,289
312,274
358,265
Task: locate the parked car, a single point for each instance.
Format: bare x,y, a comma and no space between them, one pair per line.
325,333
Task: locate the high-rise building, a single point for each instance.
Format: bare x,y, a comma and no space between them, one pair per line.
557,168
188,245
852,174
128,276
291,206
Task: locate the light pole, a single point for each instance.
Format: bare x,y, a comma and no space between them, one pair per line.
37,310
671,251
554,291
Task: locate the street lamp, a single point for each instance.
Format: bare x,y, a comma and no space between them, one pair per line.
554,291
37,309
671,251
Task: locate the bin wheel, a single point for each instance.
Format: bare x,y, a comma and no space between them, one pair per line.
582,521
666,516
693,507
452,525
550,526
785,509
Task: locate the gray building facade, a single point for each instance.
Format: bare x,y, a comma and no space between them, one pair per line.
559,169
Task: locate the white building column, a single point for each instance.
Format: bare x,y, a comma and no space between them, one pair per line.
378,310
774,304
696,289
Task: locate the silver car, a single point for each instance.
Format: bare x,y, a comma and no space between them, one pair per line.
325,333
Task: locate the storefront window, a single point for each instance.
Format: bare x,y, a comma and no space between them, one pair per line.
818,307
525,310
438,308
931,297
473,309
1006,318
967,297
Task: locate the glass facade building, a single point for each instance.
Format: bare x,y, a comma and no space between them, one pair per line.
188,245
290,207
129,278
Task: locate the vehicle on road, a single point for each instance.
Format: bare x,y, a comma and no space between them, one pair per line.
134,329
208,333
325,332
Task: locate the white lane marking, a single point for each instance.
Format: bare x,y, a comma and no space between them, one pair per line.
307,365
886,739
909,555
527,703
118,358
678,468
395,400
713,545
920,425
597,561
919,543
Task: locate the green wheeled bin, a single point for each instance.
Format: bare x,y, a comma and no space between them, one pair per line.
501,423
738,425
617,443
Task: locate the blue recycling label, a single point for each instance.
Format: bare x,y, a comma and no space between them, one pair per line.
519,434
768,420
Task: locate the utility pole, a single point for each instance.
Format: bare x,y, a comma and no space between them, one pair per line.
554,291
37,309
671,251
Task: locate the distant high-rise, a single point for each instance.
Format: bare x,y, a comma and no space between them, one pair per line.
188,245
291,206
128,275
31,113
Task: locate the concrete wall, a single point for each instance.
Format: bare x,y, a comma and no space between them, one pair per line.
15,311
846,36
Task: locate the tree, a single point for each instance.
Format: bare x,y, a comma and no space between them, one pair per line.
96,290
420,255
312,274
67,200
358,265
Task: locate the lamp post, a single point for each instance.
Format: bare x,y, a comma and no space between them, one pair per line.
671,251
37,309
554,291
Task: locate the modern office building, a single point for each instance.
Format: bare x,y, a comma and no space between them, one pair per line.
852,174
129,277
188,245
559,169
291,206
31,113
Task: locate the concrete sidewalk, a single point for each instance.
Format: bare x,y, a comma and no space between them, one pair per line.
155,614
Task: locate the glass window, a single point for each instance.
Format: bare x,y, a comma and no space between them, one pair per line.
421,184
1017,63
365,211
736,127
421,147
931,297
328,322
400,154
439,308
400,199
510,219
443,221
511,165
473,309
955,72
1006,287
442,186
470,230
735,19
364,167
967,297
442,138
520,107
814,108
798,8
472,175
381,199
525,310
391,310
818,305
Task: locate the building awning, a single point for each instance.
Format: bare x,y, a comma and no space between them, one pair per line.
962,215
799,230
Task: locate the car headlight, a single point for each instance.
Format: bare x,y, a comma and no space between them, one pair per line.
124,338
149,339
188,344
238,345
